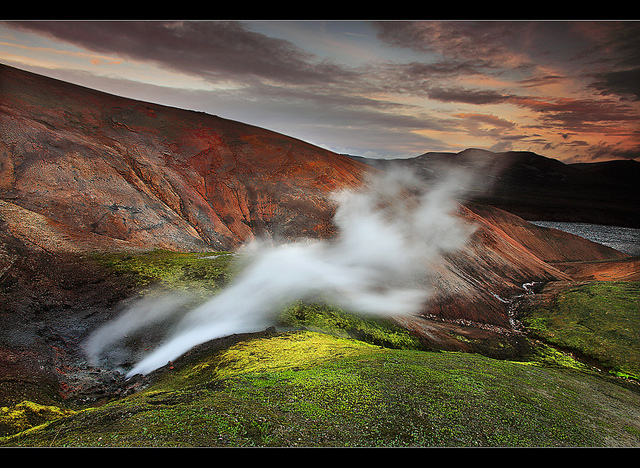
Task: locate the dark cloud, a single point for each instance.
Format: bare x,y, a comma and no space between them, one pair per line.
621,82
579,114
614,43
568,114
487,119
478,43
416,70
543,80
356,111
615,49
210,49
466,96
501,47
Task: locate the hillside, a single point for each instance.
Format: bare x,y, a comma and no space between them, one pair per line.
314,390
350,383
110,171
85,171
106,201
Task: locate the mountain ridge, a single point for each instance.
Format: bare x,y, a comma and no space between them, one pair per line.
538,188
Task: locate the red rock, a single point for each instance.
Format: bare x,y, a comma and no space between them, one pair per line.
155,176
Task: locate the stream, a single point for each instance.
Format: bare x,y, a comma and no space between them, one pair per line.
513,304
623,239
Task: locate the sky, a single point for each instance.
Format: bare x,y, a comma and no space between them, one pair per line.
568,90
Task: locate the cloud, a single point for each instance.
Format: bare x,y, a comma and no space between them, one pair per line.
587,115
474,43
563,113
486,119
537,81
52,51
621,82
413,70
532,53
466,96
210,49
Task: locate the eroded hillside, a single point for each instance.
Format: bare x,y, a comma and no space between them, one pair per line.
131,174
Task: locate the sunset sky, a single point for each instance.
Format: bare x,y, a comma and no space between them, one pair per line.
566,90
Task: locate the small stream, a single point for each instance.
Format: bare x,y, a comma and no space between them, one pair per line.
623,239
513,304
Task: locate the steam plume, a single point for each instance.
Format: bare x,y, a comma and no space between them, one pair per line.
391,232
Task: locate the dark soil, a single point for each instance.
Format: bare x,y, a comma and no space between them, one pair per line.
48,304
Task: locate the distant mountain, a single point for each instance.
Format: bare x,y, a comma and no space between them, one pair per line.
92,170
538,188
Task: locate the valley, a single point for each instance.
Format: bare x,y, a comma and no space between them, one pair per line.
106,202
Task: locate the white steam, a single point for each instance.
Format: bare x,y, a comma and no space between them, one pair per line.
390,234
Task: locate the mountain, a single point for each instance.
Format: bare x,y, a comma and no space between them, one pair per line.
85,171
82,171
538,188
110,172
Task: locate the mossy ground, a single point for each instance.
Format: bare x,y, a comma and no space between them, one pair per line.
375,330
28,414
324,387
312,389
175,270
599,320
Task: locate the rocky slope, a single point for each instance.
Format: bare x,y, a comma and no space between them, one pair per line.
112,171
83,171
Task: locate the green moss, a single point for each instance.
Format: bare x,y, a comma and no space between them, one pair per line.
28,414
598,320
176,270
312,389
293,351
374,330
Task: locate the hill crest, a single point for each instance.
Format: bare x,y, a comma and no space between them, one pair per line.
538,188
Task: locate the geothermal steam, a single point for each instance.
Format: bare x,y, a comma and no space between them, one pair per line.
391,233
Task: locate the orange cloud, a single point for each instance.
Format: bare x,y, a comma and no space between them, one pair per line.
95,59
486,118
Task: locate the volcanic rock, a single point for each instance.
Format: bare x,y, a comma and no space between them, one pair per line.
124,173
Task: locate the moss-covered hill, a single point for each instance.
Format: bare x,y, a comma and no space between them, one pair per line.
312,389
599,320
325,388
